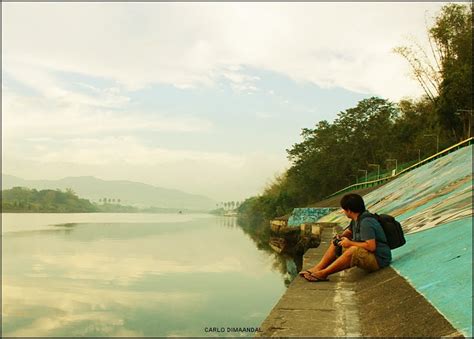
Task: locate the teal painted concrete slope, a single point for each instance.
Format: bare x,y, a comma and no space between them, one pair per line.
306,215
434,205
438,263
431,195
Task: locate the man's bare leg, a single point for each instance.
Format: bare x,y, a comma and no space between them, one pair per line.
341,263
328,257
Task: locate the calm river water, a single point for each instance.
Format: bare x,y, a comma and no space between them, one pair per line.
133,275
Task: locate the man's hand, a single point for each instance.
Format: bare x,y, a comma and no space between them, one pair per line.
370,245
345,242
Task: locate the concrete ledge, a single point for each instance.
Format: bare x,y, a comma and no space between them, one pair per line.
353,303
390,306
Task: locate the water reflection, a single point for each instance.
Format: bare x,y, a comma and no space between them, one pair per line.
136,279
230,222
80,309
288,265
68,224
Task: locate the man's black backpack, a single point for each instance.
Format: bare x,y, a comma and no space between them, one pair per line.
392,229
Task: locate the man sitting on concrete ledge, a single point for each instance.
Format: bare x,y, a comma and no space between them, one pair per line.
363,244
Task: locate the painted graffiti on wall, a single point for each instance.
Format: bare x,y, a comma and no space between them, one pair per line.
431,195
307,215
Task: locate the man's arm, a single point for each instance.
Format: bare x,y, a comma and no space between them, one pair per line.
347,233
367,234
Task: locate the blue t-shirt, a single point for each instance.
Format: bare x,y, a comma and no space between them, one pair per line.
370,228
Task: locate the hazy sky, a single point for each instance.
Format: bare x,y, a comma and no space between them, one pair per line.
201,97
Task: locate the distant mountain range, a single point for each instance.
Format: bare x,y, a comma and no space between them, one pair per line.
129,192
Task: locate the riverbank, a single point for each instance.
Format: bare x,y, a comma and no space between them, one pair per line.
427,290
354,303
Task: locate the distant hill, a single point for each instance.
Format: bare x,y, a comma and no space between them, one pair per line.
22,200
129,192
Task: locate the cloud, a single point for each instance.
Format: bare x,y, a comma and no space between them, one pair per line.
77,114
263,115
240,82
216,174
48,85
122,150
331,45
68,102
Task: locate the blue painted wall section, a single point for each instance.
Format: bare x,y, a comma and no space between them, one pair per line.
434,205
307,215
438,262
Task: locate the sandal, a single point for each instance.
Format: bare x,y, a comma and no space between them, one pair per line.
314,278
302,273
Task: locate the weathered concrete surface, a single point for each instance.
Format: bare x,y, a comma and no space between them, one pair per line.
434,205
390,306
438,263
334,200
305,306
353,303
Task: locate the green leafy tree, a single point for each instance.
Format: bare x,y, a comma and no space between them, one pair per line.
21,199
453,35
446,76
375,130
331,153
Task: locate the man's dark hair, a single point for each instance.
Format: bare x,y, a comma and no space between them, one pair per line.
353,202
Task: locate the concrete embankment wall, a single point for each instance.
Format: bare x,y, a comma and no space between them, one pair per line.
354,303
307,215
432,271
